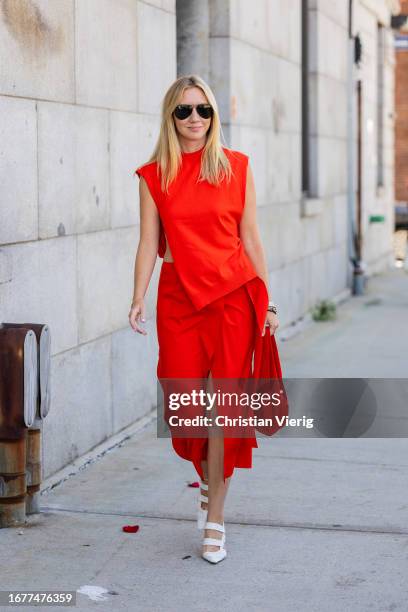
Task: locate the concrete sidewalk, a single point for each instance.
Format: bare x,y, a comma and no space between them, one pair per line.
316,525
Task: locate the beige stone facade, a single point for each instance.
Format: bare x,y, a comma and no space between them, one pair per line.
80,96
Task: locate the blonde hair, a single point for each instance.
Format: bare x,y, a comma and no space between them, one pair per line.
215,165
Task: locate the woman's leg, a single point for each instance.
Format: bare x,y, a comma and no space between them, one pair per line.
204,465
217,489
232,359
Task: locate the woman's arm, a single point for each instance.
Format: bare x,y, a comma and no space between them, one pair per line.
146,254
251,240
249,231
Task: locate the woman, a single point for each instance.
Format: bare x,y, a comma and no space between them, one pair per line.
198,212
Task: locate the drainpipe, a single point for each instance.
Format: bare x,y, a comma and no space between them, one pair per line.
356,279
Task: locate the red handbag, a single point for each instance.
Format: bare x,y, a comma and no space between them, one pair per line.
267,375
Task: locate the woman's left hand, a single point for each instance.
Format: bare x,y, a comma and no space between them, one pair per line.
272,322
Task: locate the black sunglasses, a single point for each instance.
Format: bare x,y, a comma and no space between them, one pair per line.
182,111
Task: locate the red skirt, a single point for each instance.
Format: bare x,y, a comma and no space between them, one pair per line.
219,338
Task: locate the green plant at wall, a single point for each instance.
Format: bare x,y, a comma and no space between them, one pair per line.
325,310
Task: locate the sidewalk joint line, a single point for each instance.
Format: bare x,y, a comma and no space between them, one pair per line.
337,527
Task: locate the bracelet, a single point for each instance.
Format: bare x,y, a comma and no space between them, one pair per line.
272,308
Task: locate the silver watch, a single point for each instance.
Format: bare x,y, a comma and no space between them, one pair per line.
272,307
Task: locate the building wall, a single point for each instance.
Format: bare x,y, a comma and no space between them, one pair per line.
377,248
401,123
305,238
80,99
79,110
266,124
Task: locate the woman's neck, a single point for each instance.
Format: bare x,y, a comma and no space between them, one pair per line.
191,147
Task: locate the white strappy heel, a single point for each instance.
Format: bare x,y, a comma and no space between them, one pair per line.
201,513
216,555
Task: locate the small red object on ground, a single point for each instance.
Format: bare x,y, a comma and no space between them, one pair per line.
130,528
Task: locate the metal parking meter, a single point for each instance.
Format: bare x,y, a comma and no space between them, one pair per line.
18,401
42,406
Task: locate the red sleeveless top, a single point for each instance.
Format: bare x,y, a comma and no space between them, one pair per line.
201,223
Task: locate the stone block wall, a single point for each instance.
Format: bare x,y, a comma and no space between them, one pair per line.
80,95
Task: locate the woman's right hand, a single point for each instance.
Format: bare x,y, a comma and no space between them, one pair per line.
137,313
